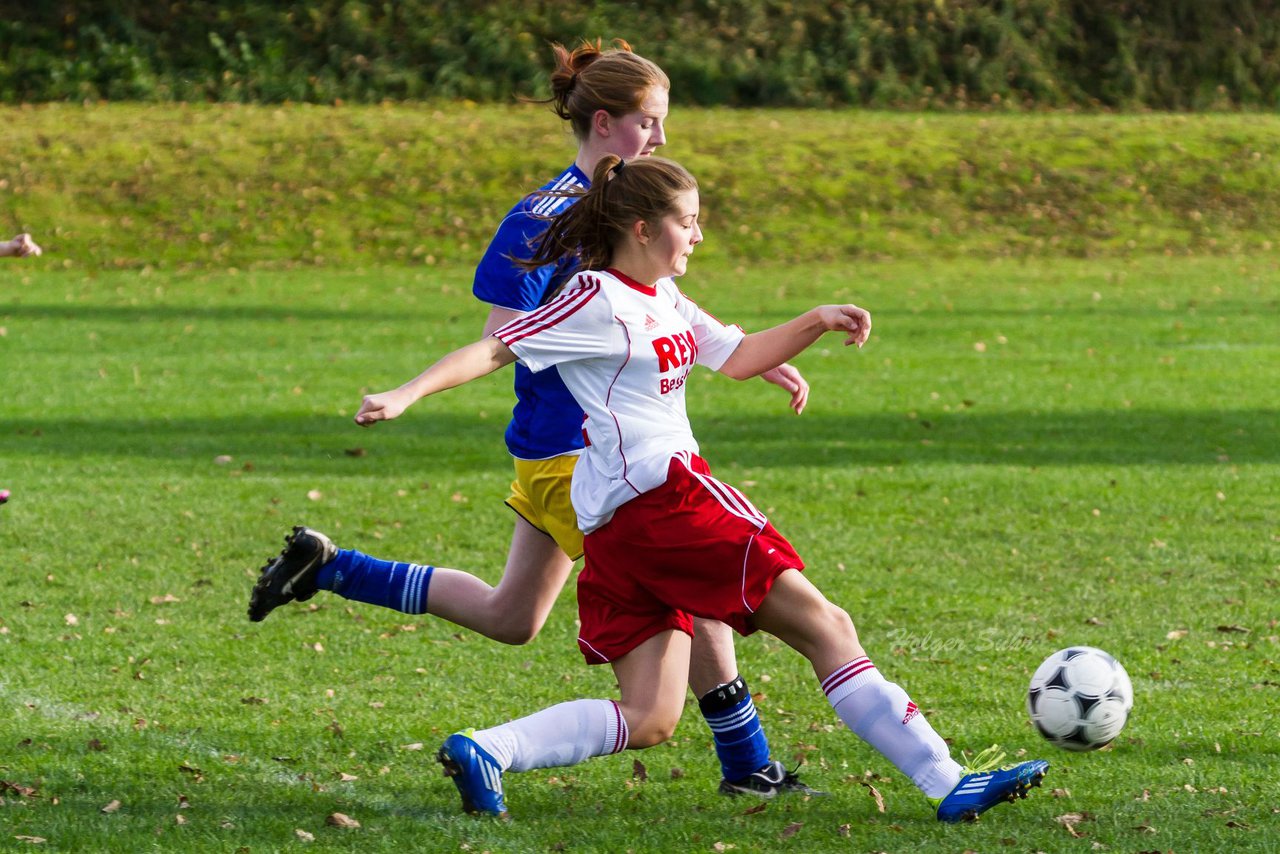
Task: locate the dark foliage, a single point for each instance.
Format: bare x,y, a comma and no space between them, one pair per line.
1158,54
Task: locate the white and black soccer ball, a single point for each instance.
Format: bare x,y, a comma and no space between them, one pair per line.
1080,698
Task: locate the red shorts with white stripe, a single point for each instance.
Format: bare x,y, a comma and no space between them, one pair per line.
691,547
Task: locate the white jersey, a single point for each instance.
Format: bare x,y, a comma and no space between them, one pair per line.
623,350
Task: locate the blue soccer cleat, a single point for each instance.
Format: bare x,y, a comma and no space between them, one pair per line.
475,773
984,785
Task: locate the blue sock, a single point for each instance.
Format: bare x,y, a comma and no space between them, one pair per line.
399,586
740,740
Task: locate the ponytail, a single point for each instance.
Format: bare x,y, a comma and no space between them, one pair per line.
590,78
621,193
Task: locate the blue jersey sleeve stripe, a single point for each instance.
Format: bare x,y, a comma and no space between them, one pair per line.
549,204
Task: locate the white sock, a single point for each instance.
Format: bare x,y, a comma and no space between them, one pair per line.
565,734
882,714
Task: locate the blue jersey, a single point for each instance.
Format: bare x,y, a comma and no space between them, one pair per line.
546,421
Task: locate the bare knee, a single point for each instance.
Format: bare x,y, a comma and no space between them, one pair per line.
830,633
650,722
651,730
840,625
517,629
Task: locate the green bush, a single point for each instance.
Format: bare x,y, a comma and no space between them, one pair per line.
1177,54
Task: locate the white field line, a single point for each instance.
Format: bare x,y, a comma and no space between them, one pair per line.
115,723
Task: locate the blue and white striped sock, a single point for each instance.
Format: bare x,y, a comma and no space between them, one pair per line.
741,744
391,584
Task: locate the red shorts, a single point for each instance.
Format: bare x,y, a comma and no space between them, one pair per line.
691,547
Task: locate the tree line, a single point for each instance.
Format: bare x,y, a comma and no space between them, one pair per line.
893,54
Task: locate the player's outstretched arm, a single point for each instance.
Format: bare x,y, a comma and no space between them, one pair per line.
461,366
789,378
767,349
20,246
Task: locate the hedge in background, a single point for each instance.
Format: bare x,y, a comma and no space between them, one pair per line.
1175,54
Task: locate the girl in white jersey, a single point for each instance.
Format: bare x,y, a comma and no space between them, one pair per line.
664,539
616,103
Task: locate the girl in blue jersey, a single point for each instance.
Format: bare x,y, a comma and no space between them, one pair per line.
616,103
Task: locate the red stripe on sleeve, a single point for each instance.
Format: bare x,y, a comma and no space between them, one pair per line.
560,308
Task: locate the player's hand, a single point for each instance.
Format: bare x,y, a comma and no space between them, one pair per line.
787,377
23,245
849,318
381,407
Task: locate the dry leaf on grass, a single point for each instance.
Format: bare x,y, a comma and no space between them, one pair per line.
875,793
111,807
791,830
1071,819
17,789
340,820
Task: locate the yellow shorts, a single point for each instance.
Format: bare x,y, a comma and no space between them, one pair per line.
540,494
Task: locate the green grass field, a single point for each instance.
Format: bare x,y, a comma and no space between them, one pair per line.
1033,451
1024,457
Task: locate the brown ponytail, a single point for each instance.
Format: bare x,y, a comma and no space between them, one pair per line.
620,195
590,78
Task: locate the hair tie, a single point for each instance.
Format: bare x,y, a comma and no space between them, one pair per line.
618,167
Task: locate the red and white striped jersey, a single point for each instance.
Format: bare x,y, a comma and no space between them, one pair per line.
624,350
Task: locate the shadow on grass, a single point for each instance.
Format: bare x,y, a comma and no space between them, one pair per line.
370,310
256,312
333,446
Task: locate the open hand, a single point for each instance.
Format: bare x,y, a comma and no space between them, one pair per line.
787,377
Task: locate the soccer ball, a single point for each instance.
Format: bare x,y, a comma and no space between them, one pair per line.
1080,698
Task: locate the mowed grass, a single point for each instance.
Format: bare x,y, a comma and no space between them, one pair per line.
183,187
1027,455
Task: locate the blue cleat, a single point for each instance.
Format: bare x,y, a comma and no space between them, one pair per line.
475,773
984,785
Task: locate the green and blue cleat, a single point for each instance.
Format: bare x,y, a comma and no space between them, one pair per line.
985,785
475,773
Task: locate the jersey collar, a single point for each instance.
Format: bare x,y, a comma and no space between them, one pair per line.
647,290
